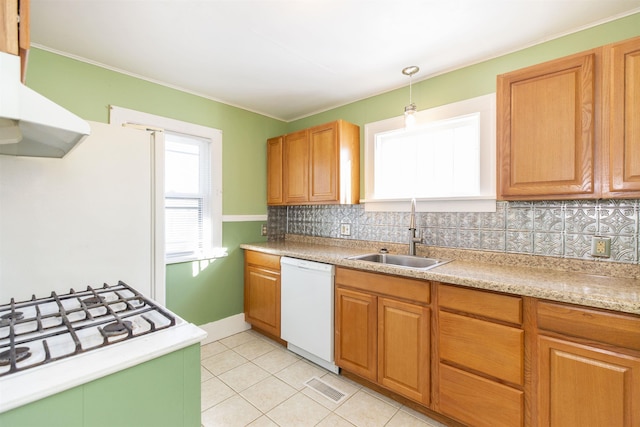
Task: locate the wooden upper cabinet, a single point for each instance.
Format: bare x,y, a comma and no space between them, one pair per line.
323,172
9,41
320,165
275,147
14,29
296,167
547,118
621,145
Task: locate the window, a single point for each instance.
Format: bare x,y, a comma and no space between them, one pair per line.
188,185
187,196
446,161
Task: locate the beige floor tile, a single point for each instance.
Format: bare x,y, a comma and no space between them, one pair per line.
254,348
222,362
268,393
298,373
238,339
211,349
421,416
233,412
365,410
334,420
403,419
276,360
205,374
382,397
214,391
298,411
243,376
263,421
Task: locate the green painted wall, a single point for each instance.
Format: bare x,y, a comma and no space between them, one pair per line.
216,291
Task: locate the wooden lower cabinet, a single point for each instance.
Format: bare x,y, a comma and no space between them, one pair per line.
355,332
585,386
381,336
488,359
262,291
588,367
403,348
480,351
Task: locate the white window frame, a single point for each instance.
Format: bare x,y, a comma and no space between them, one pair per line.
484,202
156,124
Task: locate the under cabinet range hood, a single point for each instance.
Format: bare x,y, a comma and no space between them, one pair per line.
30,124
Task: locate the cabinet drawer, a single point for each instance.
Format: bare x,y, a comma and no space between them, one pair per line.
477,401
482,303
399,287
262,259
621,330
486,347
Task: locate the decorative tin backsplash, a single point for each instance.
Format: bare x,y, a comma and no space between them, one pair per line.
548,228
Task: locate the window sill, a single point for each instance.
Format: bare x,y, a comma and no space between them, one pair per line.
476,204
213,254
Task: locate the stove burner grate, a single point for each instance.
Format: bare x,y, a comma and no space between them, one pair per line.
73,318
117,328
14,316
96,300
21,353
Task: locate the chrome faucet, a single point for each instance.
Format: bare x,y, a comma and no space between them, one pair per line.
412,229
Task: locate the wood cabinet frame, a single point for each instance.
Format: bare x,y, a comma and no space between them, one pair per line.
319,165
621,135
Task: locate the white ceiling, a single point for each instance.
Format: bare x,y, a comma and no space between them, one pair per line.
292,58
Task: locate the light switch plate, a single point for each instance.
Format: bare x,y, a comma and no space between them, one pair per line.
601,247
345,229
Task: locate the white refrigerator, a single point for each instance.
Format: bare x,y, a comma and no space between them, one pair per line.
84,219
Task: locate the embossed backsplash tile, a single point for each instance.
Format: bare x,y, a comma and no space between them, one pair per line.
550,228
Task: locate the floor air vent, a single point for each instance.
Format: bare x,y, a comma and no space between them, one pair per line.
326,390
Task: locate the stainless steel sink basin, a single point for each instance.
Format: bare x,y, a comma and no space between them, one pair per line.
409,261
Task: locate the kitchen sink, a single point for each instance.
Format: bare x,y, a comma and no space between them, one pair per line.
409,261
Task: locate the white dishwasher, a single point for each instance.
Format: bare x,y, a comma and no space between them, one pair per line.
306,310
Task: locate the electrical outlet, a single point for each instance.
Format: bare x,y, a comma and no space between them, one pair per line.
601,247
263,230
345,229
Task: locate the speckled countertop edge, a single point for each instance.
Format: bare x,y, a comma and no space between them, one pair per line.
541,277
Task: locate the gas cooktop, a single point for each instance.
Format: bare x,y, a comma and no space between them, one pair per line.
44,330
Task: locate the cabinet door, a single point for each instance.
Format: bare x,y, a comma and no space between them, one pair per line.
585,386
323,172
296,167
275,188
546,122
262,298
355,328
403,349
622,144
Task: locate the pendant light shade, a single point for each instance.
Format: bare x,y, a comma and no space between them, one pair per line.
411,109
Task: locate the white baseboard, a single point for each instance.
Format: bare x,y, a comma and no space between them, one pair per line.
224,328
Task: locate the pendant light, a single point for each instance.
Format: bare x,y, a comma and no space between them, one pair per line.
411,109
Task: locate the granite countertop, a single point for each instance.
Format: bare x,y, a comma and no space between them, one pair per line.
611,286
